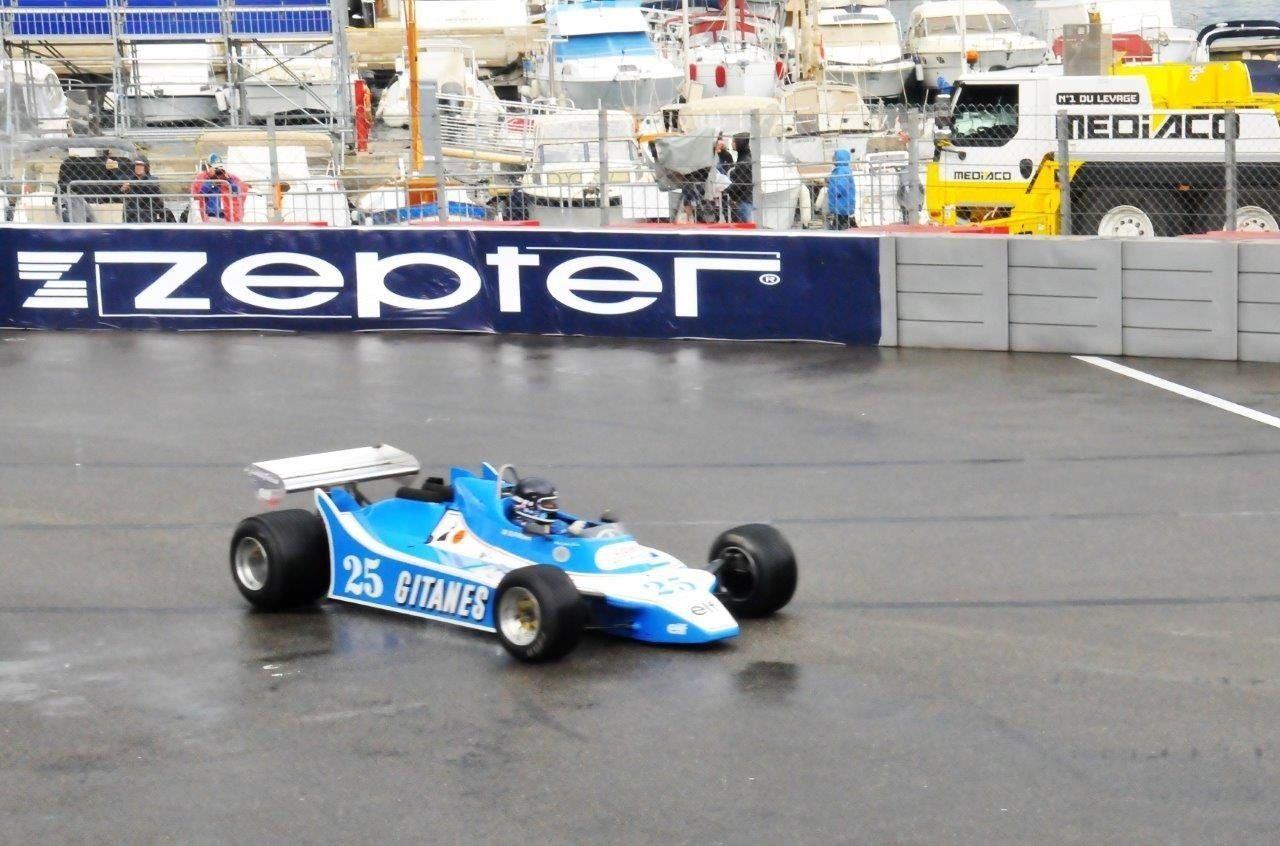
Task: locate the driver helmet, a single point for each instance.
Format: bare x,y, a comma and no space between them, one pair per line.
534,501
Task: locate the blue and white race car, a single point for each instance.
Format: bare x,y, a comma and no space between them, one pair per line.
492,552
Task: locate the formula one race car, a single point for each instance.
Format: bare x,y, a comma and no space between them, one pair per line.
492,552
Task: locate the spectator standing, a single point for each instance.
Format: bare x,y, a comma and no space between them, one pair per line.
842,193
141,191
724,159
741,180
219,194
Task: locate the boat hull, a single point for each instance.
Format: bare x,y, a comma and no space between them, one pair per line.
637,94
952,65
161,110
263,100
885,81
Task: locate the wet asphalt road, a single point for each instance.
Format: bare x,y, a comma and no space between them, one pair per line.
1039,602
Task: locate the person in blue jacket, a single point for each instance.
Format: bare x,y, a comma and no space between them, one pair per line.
842,194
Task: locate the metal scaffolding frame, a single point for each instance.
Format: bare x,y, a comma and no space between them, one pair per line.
287,58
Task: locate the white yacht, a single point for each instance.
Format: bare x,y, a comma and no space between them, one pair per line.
1152,20
600,53
562,184
732,53
470,110
1252,40
862,46
497,31
945,34
292,79
171,83
39,104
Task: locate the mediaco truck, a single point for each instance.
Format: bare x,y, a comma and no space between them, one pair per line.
1147,150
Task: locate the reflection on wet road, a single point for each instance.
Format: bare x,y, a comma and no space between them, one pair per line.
1037,602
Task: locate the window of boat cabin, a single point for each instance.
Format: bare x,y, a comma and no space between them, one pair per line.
982,24
574,152
940,26
984,115
1003,23
851,30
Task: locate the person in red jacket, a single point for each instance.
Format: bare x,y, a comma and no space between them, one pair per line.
219,194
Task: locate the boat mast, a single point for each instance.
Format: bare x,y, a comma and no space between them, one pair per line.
684,34
415,106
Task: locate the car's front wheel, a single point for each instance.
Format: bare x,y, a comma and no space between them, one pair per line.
539,613
280,559
755,568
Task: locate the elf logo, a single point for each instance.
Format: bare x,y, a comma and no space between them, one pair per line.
48,268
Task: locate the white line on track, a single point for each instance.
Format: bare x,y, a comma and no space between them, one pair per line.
1181,390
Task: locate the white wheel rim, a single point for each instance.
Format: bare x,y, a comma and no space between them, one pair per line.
1126,222
519,616
1255,219
251,563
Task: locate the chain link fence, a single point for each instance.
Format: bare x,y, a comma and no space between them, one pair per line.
732,163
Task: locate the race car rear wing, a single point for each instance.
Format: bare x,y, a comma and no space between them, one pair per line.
280,476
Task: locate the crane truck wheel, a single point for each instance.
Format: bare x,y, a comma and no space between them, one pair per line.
1126,213
1258,211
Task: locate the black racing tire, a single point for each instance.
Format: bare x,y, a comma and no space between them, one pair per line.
1159,207
538,613
279,560
757,574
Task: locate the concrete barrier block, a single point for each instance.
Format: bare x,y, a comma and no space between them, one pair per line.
953,292
1259,302
888,292
1179,299
1064,296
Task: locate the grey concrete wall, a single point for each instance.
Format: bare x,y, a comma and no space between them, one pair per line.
1259,313
888,292
1172,298
953,292
1179,298
1064,297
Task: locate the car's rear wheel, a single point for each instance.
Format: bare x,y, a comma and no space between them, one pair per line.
755,570
539,614
280,559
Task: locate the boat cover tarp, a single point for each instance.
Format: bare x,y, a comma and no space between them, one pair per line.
687,153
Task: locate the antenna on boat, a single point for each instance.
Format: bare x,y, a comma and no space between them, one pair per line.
684,35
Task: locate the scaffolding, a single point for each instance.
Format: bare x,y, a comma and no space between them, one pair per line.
152,65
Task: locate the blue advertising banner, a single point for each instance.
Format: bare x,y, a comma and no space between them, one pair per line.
640,284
